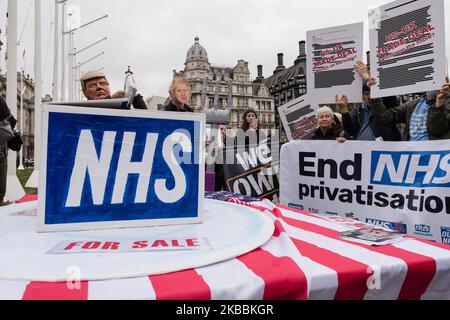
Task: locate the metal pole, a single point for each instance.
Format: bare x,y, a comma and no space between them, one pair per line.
14,190
56,55
63,53
75,74
89,46
82,64
79,86
86,24
70,82
21,120
33,181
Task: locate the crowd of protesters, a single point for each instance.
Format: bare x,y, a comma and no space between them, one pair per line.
425,118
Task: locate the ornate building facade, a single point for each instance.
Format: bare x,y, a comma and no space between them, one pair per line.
28,111
287,84
208,81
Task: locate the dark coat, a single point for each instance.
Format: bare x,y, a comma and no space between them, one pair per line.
335,131
353,121
438,122
4,110
139,103
172,107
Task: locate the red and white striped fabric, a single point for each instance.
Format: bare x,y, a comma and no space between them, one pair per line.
304,259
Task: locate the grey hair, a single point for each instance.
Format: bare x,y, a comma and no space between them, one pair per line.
324,109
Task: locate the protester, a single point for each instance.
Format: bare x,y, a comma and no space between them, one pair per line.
249,133
180,95
218,153
250,120
425,118
361,123
329,128
95,86
5,113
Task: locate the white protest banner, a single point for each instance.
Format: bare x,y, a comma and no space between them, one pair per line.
331,56
407,47
400,186
299,118
106,168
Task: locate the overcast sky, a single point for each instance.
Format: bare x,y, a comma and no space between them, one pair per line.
154,36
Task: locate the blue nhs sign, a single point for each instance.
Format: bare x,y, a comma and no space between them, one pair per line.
411,168
104,168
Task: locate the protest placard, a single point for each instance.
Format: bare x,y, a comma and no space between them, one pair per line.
106,168
407,47
331,56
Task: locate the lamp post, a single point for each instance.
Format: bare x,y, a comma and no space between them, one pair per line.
14,190
22,89
33,181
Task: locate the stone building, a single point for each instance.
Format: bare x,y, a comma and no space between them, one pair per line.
287,84
28,111
246,94
155,103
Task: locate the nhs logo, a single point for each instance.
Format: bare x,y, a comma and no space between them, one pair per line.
445,235
411,169
105,168
395,226
422,228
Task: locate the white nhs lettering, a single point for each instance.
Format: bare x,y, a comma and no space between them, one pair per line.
87,161
408,168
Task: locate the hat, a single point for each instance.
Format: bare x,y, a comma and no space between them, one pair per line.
90,75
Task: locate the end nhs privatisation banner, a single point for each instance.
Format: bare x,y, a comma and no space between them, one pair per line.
104,168
403,186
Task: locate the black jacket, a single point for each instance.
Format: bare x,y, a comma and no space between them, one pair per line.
172,107
335,131
4,110
5,113
139,103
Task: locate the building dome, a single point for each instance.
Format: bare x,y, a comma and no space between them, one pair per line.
197,52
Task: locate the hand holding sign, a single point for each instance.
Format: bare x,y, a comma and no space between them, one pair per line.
443,93
361,69
371,82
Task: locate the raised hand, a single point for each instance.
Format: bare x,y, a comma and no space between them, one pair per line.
361,69
341,103
443,93
371,81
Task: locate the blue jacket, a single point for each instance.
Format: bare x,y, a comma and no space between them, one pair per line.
353,121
